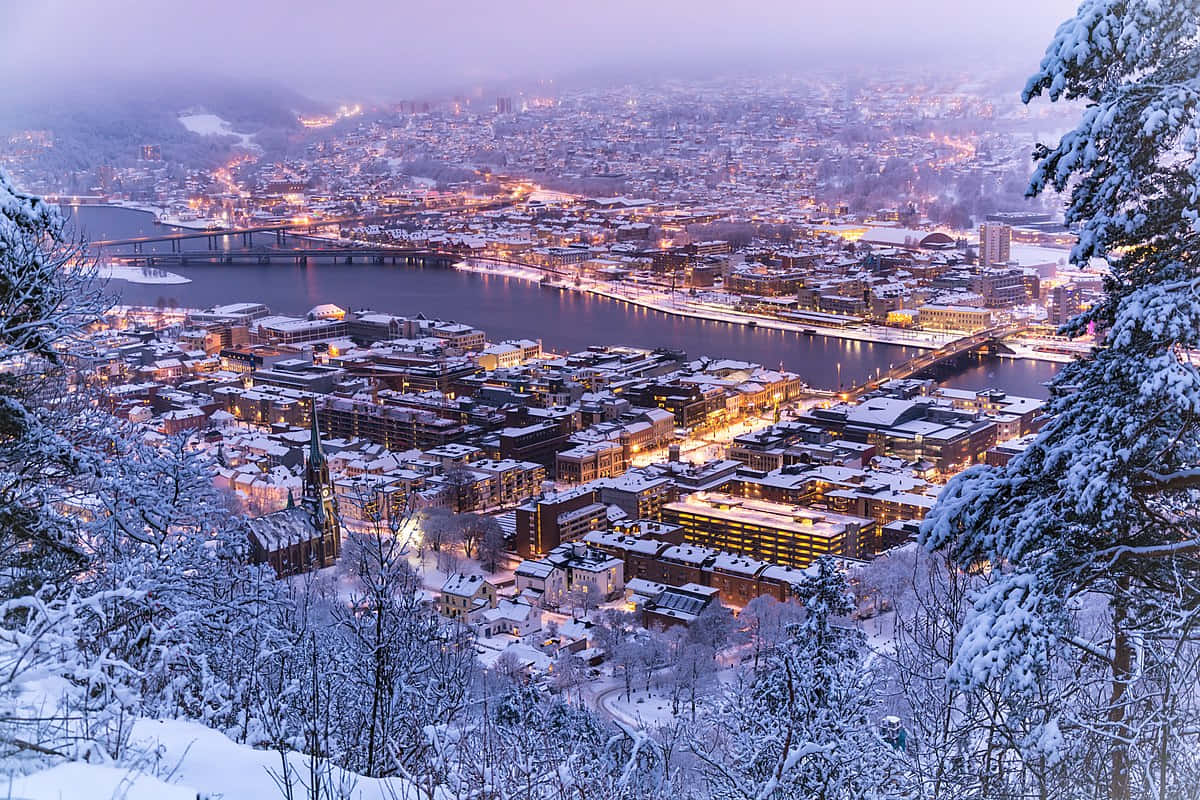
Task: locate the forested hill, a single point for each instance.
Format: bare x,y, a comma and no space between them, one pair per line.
97,125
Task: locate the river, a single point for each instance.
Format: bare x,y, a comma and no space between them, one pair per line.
512,308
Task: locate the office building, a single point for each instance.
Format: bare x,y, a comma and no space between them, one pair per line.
790,536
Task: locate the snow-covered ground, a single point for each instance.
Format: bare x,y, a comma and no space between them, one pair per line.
644,710
1031,254
122,272
78,780
212,125
177,760
194,223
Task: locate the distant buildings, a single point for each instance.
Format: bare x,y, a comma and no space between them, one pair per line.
572,572
949,431
738,579
677,605
1065,304
968,319
418,413
1002,288
512,353
395,428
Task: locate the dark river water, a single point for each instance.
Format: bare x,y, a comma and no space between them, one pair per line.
511,308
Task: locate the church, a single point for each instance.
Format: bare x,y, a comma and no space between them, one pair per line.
306,537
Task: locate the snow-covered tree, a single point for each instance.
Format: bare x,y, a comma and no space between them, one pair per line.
1103,505
47,291
440,528
765,621
122,570
691,671
205,617
570,672
491,544
961,742
58,700
47,296
714,627
803,724
401,667
528,746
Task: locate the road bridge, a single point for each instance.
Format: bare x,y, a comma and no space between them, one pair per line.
304,255
991,338
280,229
300,256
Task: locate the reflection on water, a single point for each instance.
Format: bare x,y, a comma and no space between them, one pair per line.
511,308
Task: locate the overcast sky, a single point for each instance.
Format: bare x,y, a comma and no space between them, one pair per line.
400,47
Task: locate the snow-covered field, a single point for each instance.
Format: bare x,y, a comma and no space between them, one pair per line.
212,125
121,272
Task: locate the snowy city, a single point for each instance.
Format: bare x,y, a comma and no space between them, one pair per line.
645,402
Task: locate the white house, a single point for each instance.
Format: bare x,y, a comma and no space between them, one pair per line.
516,617
541,582
589,570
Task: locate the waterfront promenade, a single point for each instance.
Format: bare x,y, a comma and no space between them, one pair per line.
681,305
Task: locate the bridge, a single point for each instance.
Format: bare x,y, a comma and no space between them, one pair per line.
280,229
407,256
989,338
264,255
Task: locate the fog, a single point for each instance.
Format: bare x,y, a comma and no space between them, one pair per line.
392,48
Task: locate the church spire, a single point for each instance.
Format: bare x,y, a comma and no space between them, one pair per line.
316,456
319,499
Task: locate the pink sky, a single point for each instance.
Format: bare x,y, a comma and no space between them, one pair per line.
313,45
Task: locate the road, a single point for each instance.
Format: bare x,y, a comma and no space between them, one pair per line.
600,697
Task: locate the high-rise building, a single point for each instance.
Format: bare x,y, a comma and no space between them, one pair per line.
504,105
151,152
995,244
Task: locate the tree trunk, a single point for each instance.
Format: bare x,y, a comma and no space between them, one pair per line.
1118,785
1164,741
377,691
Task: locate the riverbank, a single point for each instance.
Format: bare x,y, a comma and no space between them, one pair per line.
158,214
566,321
875,334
